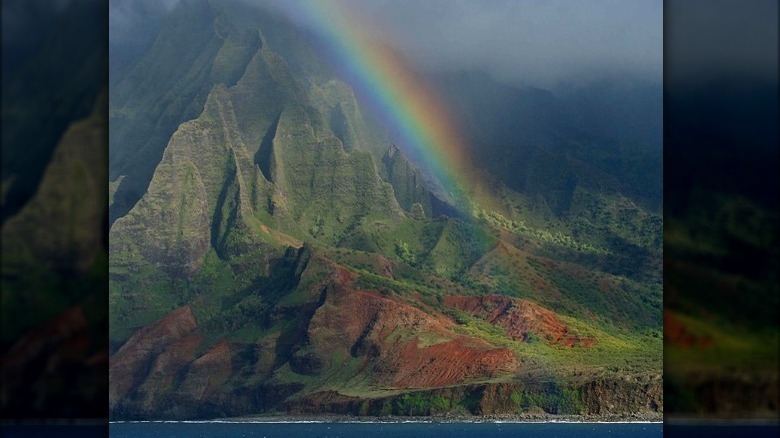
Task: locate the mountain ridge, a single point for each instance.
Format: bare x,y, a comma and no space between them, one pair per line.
284,249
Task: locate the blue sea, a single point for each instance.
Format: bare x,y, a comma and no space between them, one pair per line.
378,430
348,430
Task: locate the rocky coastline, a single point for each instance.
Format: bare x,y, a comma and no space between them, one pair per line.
449,418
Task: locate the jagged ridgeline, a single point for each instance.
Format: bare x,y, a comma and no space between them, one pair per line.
272,250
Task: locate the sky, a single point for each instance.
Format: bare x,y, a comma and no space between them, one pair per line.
133,19
720,37
524,42
23,22
534,42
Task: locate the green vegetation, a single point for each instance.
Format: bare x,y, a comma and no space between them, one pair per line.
496,219
279,198
554,399
726,347
419,404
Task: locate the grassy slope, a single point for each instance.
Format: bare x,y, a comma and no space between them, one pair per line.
722,299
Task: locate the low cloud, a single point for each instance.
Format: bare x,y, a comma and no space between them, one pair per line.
535,42
134,20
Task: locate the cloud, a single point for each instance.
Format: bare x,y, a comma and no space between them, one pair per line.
23,21
721,37
537,42
134,20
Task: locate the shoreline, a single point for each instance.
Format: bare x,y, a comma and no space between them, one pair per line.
444,419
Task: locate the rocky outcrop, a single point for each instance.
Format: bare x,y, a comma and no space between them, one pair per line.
623,395
675,332
409,187
596,400
152,357
208,372
258,155
198,49
60,227
199,195
401,346
407,184
60,353
521,319
737,395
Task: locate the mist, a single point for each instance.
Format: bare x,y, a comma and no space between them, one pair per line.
135,20
716,38
518,42
531,42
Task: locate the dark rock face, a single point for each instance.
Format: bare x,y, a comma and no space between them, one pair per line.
148,362
492,400
70,191
619,396
60,353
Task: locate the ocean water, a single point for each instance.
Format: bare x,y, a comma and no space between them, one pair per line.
377,430
431,430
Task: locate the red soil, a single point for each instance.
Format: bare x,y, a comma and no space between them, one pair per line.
171,327
67,328
52,352
384,266
675,332
386,334
209,372
166,342
167,366
459,360
520,318
342,274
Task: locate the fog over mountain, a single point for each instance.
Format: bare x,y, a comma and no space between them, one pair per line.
716,38
519,42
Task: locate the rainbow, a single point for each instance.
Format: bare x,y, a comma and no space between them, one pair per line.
400,96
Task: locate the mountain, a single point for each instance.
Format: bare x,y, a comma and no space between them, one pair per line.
54,241
721,250
54,283
51,79
273,251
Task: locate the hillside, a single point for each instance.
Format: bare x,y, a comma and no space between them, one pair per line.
272,250
53,240
721,259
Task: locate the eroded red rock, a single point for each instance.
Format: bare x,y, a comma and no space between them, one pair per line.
520,318
675,332
400,345
128,367
208,372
